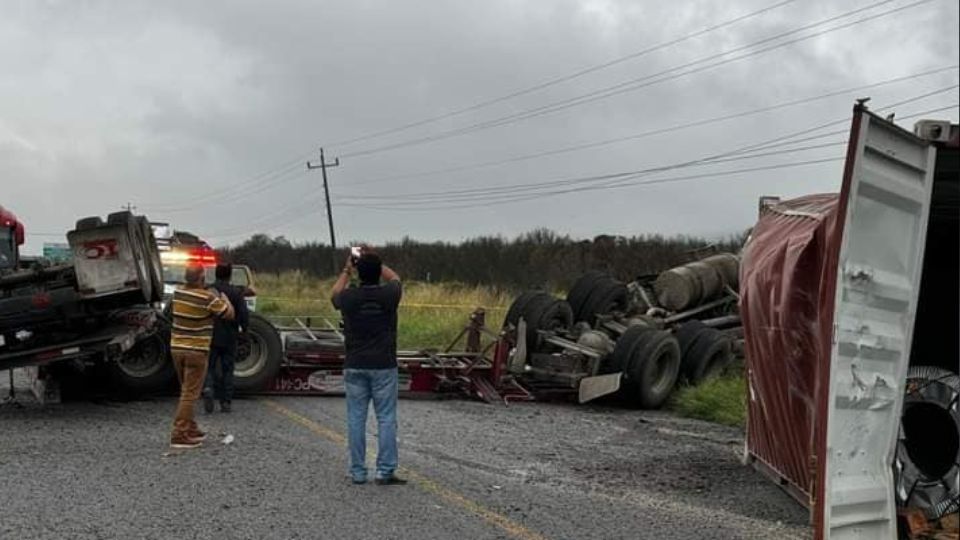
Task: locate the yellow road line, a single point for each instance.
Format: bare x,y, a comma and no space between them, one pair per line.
501,521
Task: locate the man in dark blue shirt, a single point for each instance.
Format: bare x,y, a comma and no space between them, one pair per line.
370,370
223,348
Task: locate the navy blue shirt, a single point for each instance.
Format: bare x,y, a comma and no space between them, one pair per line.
225,332
370,325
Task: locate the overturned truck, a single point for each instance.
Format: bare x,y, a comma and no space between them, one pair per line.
97,309
635,340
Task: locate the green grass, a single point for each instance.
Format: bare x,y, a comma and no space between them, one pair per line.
721,400
431,314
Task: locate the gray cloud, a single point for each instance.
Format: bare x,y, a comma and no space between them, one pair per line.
160,103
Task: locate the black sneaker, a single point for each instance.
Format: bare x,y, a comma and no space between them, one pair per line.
390,481
208,400
224,406
358,481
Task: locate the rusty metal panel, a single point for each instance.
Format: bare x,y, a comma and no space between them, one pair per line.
105,260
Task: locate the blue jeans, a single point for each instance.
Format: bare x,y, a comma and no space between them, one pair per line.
362,386
220,374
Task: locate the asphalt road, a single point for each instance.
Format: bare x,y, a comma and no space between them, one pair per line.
102,470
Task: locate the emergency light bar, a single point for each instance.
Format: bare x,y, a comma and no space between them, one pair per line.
205,257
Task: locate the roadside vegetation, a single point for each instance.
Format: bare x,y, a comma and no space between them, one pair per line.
432,314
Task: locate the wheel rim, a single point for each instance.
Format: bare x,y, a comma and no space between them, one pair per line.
662,367
144,360
251,355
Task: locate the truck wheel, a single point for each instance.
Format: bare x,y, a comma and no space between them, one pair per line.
581,290
516,308
91,222
652,373
120,218
620,358
145,368
709,354
607,296
259,355
537,314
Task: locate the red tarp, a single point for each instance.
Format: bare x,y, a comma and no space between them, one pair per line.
787,286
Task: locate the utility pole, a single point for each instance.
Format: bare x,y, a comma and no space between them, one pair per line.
129,207
326,193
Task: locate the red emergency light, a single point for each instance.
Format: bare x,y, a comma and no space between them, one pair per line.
203,256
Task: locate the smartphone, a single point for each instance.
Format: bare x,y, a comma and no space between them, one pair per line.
355,253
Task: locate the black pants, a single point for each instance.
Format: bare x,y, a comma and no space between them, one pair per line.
220,373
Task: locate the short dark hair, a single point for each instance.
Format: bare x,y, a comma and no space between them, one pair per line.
193,274
369,267
224,271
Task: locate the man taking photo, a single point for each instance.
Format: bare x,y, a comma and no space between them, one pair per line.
370,370
195,308
223,348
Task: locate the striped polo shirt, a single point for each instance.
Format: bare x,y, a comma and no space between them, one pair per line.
193,317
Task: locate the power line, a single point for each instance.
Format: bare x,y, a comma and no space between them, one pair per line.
617,179
644,134
269,176
561,79
649,80
614,186
755,147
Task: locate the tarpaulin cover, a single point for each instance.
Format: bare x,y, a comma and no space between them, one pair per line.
787,285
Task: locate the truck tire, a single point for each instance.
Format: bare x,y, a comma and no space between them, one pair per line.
581,289
152,253
144,369
259,355
687,333
619,359
538,314
607,296
516,308
653,370
927,464
708,355
91,222
122,217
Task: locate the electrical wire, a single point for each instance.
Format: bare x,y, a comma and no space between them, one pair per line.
617,180
561,79
755,147
650,80
669,129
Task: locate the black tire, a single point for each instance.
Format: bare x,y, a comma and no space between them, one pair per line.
152,254
516,308
556,316
146,368
91,222
259,355
619,359
653,370
607,297
535,314
581,290
120,218
687,333
708,355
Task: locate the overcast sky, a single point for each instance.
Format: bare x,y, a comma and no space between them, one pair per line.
203,113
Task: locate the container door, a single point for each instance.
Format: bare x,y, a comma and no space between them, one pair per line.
887,184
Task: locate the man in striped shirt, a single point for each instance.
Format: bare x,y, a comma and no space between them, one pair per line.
194,309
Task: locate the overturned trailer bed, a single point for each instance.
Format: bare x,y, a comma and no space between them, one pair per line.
312,364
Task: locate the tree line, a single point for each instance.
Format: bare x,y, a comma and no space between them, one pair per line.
538,258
